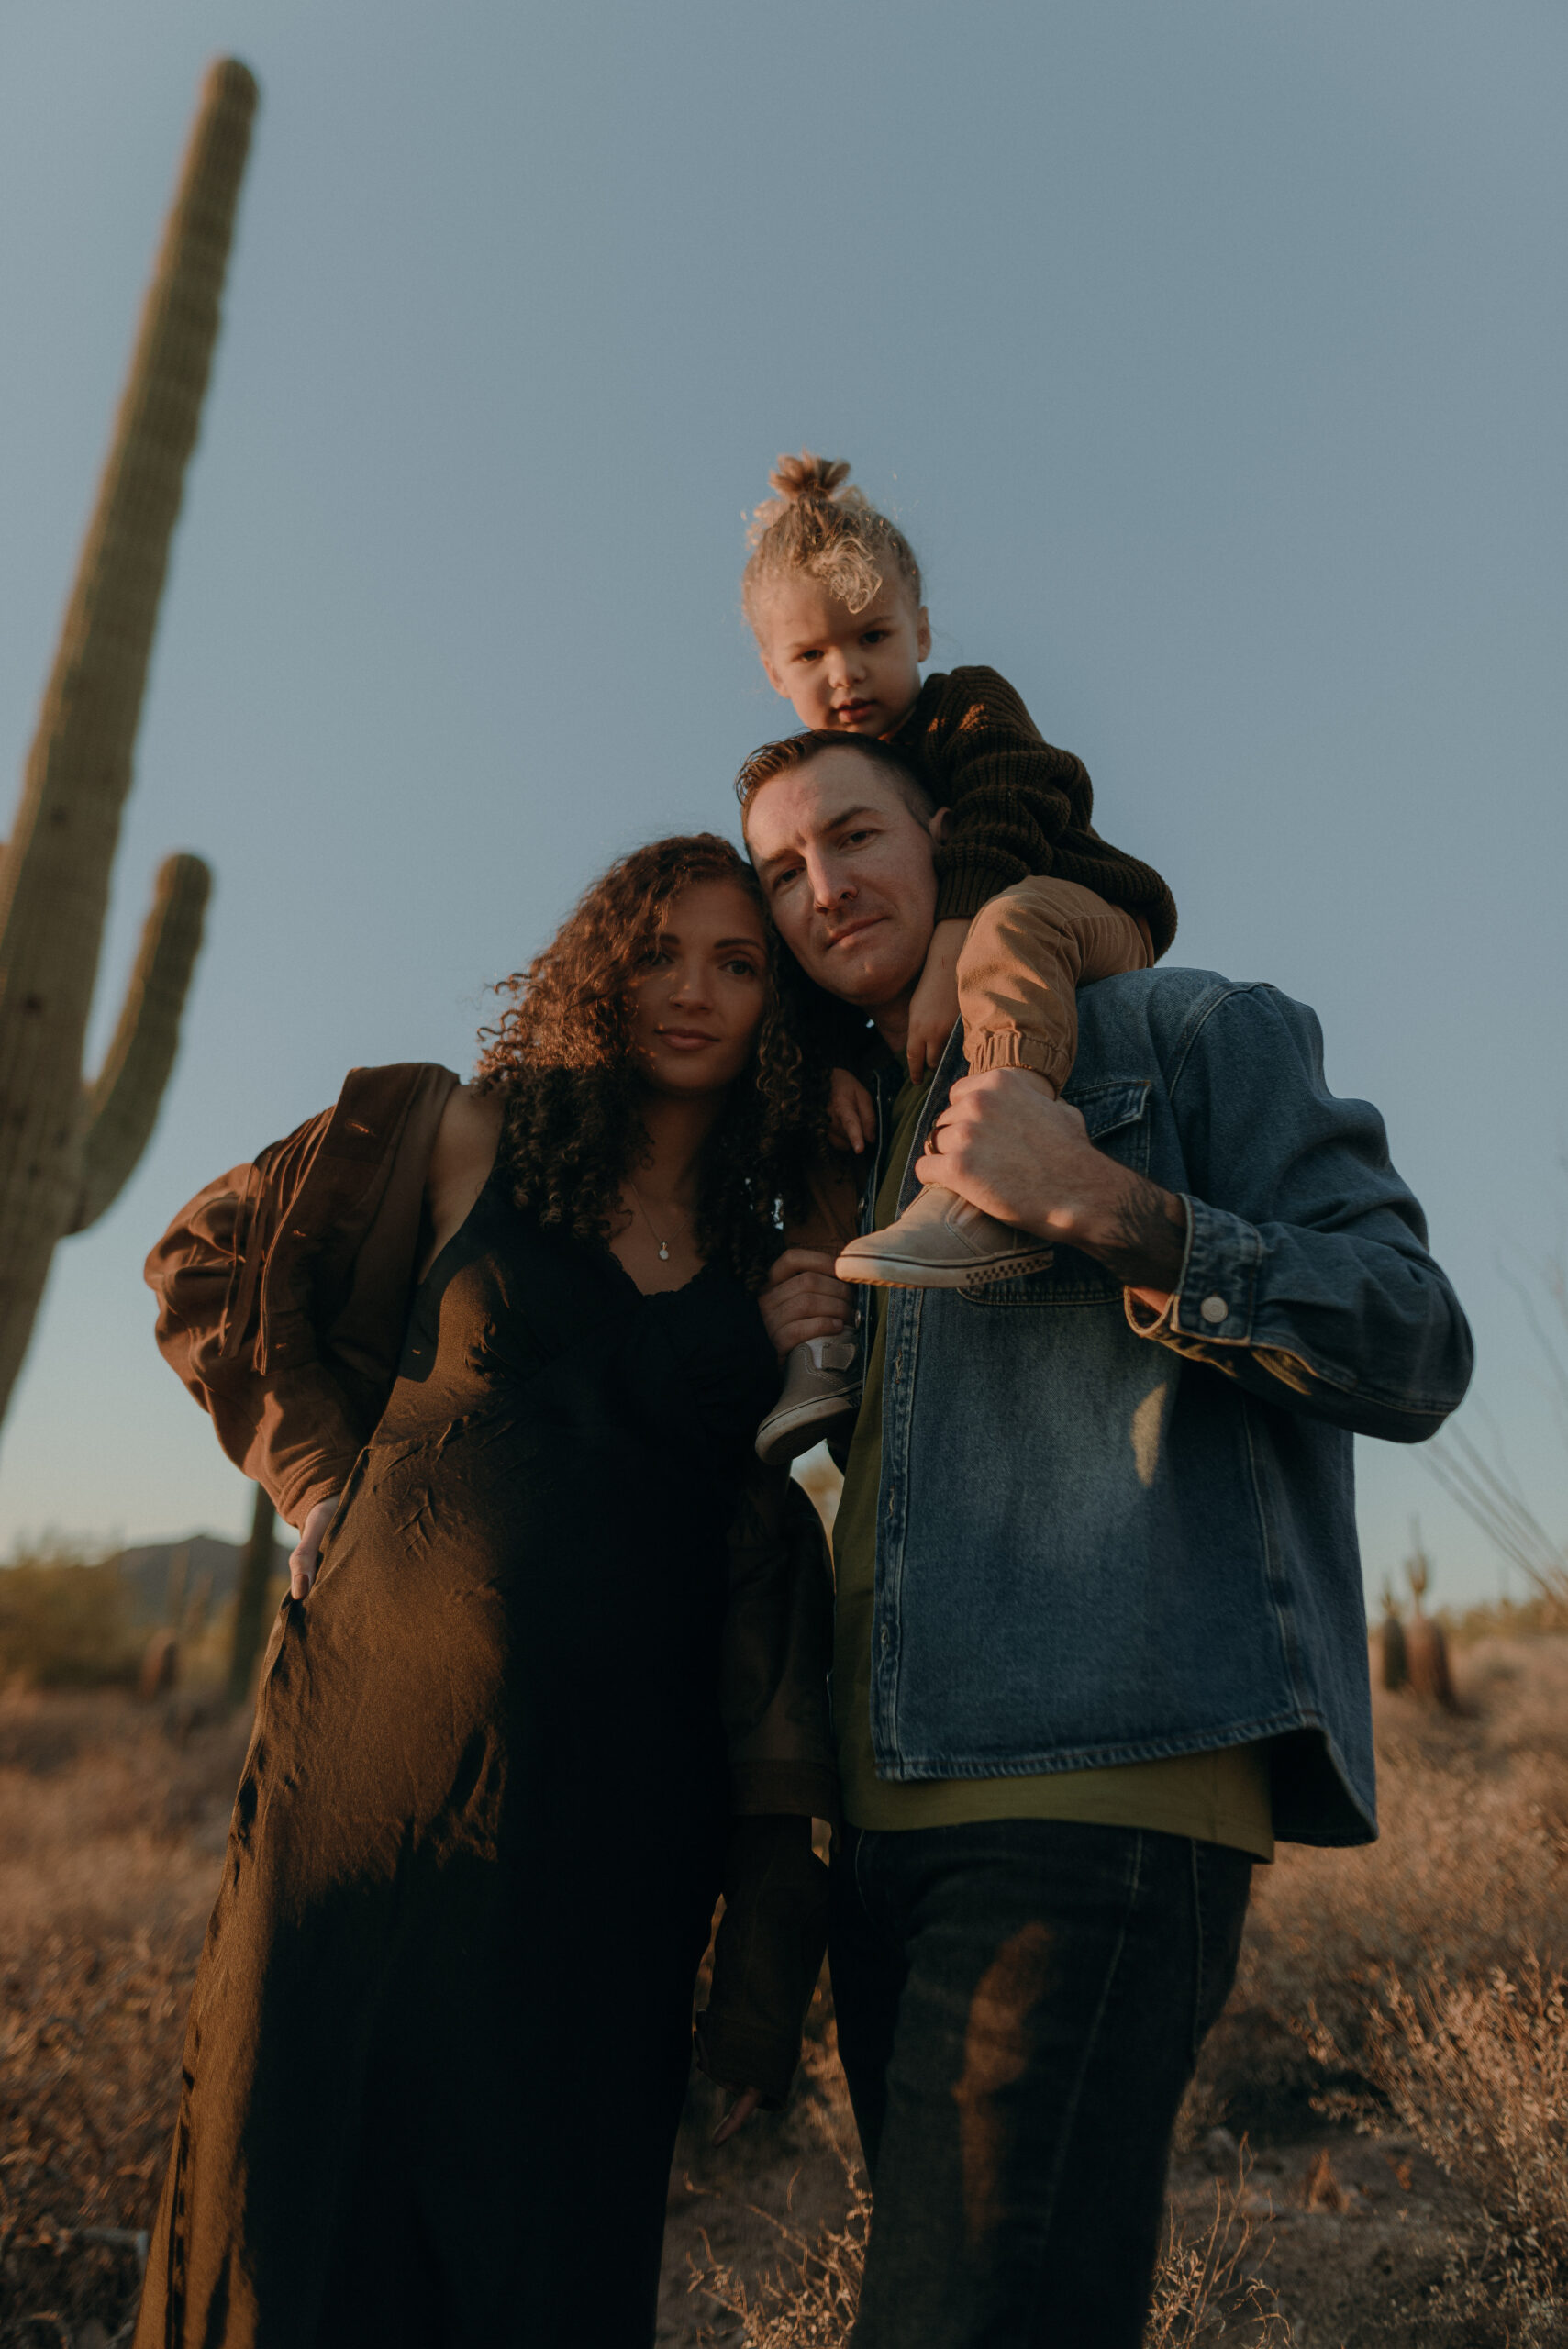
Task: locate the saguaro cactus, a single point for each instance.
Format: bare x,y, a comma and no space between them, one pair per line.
65,1147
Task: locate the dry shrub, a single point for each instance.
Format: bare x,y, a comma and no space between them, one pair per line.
809,2300
63,1623
112,1817
1477,2071
1470,1874
1205,2286
1205,2283
89,2063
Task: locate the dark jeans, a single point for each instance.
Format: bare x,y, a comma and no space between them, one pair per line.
1020,2007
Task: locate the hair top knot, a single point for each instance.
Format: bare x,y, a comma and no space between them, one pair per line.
807,476
820,526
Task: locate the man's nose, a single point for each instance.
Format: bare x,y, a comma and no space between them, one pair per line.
828,888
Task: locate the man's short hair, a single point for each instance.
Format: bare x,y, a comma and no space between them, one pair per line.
799,750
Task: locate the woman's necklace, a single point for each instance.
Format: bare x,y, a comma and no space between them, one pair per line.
662,1245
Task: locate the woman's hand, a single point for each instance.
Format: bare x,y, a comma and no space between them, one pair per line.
803,1300
741,2111
933,1007
852,1112
307,1548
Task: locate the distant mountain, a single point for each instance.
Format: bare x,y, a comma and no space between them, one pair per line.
162,1578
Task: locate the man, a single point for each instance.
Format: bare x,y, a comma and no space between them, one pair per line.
1099,1630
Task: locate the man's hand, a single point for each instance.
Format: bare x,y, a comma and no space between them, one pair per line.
803,1300
852,1112
933,1007
739,2112
1006,1148
307,1548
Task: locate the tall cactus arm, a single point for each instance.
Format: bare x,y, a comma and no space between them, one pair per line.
54,881
120,1107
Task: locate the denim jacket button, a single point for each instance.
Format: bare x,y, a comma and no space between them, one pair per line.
1215,1309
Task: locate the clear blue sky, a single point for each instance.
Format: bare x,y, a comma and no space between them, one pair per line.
1213,356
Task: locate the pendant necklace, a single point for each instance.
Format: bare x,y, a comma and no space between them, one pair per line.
661,1245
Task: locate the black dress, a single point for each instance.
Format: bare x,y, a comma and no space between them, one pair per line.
439,2037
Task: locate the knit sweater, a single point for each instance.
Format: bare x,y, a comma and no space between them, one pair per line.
1019,805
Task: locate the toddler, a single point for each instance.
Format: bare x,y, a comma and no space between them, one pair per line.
1030,902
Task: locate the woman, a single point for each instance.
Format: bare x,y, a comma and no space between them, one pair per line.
439,2037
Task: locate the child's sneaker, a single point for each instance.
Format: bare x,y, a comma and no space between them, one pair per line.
821,1395
940,1241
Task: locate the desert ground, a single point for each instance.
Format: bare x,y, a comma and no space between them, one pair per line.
1379,2123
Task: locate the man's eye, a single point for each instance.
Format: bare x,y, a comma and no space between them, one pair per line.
853,839
782,880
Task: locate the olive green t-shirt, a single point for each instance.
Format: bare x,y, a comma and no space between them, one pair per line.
1219,1798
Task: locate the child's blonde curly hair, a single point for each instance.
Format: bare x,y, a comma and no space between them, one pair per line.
834,534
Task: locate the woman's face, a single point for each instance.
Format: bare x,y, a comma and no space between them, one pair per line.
700,997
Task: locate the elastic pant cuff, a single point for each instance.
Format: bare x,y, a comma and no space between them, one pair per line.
1010,1048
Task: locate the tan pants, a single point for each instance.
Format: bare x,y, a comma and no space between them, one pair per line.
1028,950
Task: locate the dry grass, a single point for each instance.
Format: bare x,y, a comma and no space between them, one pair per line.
1205,2286
1470,1872
1419,1980
1478,2073
111,1820
809,2298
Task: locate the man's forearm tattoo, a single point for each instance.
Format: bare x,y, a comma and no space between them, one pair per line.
1148,1237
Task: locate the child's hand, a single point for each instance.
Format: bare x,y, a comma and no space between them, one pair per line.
852,1112
933,1008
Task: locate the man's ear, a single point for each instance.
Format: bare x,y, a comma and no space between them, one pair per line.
922,635
941,825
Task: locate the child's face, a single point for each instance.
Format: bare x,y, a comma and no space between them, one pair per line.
843,671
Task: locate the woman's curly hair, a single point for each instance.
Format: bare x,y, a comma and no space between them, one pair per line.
560,1053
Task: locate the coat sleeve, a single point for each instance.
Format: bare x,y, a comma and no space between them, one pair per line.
778,1645
291,1429
777,1648
283,1287
767,1957
1306,1277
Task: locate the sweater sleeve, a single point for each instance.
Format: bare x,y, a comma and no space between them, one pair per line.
1012,793
1019,806
767,1957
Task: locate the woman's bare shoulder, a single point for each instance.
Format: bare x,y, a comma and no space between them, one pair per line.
468,1134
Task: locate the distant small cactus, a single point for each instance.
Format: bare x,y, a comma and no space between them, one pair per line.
1426,1648
66,1148
1393,1658
159,1666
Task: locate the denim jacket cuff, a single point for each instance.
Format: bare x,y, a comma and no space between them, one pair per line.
1215,1300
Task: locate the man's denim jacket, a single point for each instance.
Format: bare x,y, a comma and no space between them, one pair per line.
1107,1537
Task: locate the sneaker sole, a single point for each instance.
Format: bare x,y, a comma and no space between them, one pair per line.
889,1272
773,1443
